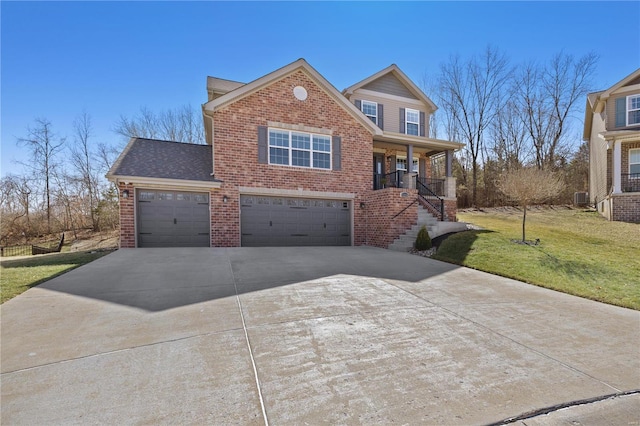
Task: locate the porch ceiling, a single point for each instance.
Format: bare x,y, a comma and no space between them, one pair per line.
420,144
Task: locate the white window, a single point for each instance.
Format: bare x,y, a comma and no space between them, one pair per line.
370,109
299,149
412,121
633,110
634,163
401,164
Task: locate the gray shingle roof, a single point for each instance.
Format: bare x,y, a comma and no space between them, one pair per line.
165,159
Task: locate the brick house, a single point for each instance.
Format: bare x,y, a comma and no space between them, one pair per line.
612,128
292,161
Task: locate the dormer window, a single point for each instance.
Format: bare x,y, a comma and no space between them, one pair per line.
412,120
370,109
633,110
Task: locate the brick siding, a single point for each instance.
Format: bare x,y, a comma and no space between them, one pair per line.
236,152
381,227
127,217
626,208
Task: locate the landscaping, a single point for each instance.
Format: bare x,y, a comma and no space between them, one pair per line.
19,275
579,252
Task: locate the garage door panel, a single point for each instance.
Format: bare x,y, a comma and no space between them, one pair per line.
280,221
173,219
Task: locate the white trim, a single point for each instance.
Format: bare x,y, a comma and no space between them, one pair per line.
407,101
299,128
632,149
626,89
178,184
406,120
295,193
290,149
628,109
617,167
362,102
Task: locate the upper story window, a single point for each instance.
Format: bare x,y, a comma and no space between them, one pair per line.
370,109
299,149
633,110
412,120
634,163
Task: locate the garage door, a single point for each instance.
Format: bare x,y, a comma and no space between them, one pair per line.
172,219
281,221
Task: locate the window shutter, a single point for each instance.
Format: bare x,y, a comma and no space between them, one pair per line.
422,120
402,126
359,104
621,112
422,167
263,149
393,164
381,116
336,152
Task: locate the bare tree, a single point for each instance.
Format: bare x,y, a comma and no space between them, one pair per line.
508,137
547,97
45,147
15,198
471,94
182,124
82,161
530,185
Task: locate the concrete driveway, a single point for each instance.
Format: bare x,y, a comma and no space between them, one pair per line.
294,336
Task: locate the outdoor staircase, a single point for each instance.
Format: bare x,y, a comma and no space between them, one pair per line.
405,241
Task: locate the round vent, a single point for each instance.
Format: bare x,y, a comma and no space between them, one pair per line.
300,93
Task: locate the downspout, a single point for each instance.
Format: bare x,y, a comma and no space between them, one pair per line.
210,138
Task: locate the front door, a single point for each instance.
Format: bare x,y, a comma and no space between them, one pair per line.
378,170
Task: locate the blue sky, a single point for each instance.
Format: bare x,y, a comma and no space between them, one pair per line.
111,58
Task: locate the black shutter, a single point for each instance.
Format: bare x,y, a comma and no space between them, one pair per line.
263,147
422,167
392,164
402,126
422,120
381,116
336,152
621,112
359,104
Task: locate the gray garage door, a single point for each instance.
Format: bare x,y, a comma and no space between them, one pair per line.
281,221
172,219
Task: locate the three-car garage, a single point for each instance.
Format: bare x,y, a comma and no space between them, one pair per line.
183,219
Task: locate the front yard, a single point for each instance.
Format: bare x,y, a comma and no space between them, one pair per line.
579,252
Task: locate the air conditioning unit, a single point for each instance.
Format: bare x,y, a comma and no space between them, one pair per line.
580,199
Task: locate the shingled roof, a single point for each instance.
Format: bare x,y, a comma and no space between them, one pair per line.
154,158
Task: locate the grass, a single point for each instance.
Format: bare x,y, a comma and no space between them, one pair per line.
579,253
19,275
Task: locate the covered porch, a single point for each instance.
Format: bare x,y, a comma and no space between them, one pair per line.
422,164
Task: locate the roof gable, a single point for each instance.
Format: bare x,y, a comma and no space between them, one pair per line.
390,79
252,87
627,81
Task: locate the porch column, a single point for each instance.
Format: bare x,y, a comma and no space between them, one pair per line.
448,163
617,167
410,158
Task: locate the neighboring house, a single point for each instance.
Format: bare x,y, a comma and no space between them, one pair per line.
612,128
290,161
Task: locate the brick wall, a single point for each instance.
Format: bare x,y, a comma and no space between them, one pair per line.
236,151
626,208
127,217
381,228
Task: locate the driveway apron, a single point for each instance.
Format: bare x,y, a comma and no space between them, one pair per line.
315,335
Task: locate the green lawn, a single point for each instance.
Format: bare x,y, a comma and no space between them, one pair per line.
19,275
579,252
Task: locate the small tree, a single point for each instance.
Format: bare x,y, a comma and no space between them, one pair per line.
423,240
530,185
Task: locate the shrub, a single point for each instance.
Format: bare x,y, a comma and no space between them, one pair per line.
423,241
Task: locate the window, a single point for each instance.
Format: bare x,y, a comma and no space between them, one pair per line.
634,163
412,120
299,149
633,110
370,109
401,164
